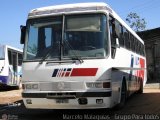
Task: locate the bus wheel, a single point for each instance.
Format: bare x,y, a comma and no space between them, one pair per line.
123,96
140,91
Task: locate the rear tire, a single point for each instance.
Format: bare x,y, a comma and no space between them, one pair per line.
140,91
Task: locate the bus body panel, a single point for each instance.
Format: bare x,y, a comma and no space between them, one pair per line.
43,75
56,85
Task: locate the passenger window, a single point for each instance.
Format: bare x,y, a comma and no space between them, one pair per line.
112,31
121,38
10,57
112,36
136,46
126,37
133,43
143,50
119,32
20,59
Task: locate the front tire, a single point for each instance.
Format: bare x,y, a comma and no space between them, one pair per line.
123,96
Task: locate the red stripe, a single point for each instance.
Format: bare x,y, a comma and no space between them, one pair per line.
84,72
62,74
142,65
67,74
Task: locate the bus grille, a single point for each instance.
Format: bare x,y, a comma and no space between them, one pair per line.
64,86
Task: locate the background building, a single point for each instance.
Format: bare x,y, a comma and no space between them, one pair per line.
152,46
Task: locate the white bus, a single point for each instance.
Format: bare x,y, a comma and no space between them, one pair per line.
80,56
10,66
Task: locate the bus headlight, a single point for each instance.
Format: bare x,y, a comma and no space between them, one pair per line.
31,86
28,86
98,84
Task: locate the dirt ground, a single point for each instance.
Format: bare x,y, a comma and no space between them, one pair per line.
151,91
138,106
10,96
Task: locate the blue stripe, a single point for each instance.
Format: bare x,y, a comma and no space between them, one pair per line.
4,79
55,73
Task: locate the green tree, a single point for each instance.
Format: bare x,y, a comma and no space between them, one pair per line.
135,22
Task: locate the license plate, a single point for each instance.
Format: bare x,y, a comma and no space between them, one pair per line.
61,101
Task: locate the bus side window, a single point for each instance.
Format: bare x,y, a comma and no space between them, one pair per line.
10,57
15,62
126,38
133,43
139,48
112,31
121,38
112,36
20,59
136,46
142,50
119,33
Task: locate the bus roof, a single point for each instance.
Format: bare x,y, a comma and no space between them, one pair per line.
13,48
68,8
78,8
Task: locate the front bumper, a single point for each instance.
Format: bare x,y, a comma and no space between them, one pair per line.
49,100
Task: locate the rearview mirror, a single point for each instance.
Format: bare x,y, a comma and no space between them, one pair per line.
23,34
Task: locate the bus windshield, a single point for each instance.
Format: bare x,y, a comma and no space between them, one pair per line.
63,37
1,52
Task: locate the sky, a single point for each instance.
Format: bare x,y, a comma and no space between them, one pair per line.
13,13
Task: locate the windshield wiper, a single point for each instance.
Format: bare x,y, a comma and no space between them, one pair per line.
46,55
68,45
74,53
